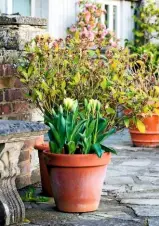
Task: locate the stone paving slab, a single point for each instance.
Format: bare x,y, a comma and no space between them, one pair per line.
139,195
147,202
120,180
113,189
154,222
144,187
145,211
136,162
109,214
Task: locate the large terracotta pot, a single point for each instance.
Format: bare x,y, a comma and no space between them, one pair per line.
45,180
77,180
151,137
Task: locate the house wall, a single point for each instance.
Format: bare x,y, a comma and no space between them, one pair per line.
2,6
14,33
62,14
127,22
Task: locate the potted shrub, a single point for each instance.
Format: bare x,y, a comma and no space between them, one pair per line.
77,160
140,99
55,69
52,70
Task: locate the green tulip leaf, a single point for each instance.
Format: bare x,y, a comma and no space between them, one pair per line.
97,149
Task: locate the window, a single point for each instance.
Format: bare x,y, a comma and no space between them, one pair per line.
41,8
35,8
22,6
119,18
106,15
2,6
112,17
115,18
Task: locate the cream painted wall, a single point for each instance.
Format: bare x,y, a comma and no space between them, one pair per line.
2,6
62,14
127,22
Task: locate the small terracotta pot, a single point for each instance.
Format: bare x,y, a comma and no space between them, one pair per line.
44,171
151,137
77,180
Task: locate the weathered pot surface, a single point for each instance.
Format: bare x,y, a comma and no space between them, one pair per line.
44,171
77,180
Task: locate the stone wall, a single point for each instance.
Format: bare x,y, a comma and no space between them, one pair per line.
15,31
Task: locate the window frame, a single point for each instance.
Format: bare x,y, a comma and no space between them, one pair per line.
112,3
9,7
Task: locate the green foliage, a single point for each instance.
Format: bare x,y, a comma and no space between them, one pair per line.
140,92
147,23
83,68
75,67
149,53
30,196
76,132
141,98
55,69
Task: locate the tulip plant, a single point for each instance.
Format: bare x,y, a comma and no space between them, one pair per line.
76,132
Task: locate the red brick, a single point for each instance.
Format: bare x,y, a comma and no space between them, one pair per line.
18,84
7,82
24,155
5,109
25,167
31,143
20,107
7,70
14,94
1,96
20,116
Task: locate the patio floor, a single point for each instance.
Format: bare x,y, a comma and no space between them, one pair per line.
130,194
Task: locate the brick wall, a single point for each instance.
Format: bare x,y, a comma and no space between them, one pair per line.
14,33
12,99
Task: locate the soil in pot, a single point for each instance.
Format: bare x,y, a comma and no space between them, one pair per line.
44,171
77,180
151,136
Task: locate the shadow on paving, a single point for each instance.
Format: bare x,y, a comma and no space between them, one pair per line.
48,216
108,222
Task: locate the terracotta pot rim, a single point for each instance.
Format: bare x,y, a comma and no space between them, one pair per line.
56,154
146,133
42,146
140,114
145,141
76,160
149,115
